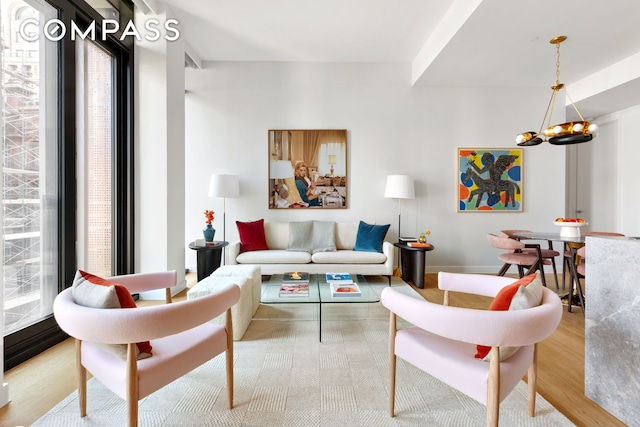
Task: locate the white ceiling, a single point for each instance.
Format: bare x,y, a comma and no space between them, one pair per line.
500,43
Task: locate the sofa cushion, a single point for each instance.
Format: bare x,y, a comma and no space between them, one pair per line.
312,236
521,294
300,235
92,291
370,237
346,233
274,256
324,237
348,257
252,237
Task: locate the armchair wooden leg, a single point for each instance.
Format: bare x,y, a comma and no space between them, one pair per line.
493,388
392,363
82,380
229,359
132,386
532,379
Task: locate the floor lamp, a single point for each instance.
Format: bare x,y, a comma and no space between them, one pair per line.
399,187
224,186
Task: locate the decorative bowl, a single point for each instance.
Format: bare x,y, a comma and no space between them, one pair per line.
570,229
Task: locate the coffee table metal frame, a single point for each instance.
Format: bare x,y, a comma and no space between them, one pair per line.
319,293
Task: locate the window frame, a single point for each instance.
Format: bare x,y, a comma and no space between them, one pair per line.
21,345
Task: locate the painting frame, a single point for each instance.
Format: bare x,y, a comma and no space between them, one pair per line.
308,169
490,179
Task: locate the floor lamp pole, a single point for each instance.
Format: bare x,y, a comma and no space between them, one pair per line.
224,227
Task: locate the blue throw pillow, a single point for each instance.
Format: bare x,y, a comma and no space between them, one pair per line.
370,237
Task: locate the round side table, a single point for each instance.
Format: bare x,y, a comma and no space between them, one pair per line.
413,262
208,257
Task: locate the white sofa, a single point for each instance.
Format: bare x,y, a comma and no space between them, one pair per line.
277,259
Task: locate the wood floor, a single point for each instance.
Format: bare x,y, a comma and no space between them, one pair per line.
39,384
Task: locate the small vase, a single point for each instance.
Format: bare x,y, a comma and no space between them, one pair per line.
422,238
209,232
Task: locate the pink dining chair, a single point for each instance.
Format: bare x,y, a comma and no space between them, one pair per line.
515,255
577,268
568,255
442,340
547,254
180,334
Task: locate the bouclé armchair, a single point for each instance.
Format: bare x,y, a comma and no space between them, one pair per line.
181,336
442,340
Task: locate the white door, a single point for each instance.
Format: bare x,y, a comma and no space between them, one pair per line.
597,198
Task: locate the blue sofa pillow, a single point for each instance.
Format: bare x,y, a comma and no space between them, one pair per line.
370,237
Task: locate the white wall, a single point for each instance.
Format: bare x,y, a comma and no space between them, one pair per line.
392,128
629,153
159,158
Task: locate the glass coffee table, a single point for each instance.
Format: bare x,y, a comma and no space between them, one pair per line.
319,293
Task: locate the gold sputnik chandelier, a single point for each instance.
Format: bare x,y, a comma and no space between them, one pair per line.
566,133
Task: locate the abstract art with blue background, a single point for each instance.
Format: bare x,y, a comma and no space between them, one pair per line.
490,179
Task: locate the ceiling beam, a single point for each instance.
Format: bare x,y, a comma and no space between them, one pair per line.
455,17
147,6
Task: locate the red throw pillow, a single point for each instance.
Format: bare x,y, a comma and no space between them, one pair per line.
252,236
502,302
93,291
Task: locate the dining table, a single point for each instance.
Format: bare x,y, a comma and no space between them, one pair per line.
549,235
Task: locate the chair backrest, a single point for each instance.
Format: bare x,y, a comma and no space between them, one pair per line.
504,242
510,233
581,252
119,325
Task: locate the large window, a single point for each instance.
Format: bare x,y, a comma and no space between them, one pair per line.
29,169
95,77
66,164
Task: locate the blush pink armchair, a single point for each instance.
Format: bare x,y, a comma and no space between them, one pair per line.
442,340
180,334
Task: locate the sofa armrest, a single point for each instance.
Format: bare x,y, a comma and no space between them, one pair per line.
389,250
233,251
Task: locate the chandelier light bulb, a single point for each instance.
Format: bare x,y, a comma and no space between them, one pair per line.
578,127
593,127
557,129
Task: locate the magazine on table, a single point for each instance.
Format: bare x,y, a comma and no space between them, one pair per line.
339,278
418,245
295,277
345,290
294,290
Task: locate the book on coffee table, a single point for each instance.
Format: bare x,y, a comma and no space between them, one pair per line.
294,290
339,278
345,290
295,277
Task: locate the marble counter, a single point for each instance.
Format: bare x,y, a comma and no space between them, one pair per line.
612,326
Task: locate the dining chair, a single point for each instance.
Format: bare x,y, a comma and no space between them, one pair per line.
566,265
547,254
517,256
577,271
443,340
177,337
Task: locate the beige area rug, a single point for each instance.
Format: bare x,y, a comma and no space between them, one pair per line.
285,377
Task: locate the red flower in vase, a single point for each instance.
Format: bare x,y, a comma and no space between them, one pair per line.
209,216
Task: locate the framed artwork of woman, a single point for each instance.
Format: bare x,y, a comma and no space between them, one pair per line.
308,169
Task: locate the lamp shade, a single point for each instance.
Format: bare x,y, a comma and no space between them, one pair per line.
224,186
399,187
332,159
280,169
